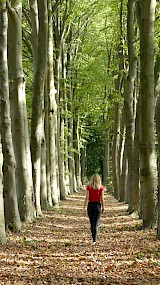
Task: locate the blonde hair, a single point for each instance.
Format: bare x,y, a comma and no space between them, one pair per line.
95,181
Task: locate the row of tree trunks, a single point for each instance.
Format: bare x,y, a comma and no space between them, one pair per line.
139,167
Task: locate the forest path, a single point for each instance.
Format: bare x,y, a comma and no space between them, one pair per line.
57,249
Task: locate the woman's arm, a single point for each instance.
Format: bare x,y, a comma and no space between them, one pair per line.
102,200
86,201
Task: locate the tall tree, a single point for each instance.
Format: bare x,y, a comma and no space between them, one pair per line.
51,118
12,217
24,182
129,98
38,100
157,116
34,31
3,85
117,108
60,17
148,166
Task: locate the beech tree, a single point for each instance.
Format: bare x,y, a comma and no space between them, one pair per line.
51,119
148,166
60,17
3,86
12,218
38,102
129,106
157,116
19,119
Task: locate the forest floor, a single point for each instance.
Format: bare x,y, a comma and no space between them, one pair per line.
57,249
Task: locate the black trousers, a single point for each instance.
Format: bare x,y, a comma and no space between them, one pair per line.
94,213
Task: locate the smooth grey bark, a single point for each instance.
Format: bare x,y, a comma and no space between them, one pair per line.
34,31
129,98
117,108
158,136
12,217
43,183
123,162
24,182
77,148
47,136
70,96
3,58
2,219
63,136
71,163
65,110
135,166
148,166
157,116
51,119
59,24
37,101
115,149
83,164
106,164
123,179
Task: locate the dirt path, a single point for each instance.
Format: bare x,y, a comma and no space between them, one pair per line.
57,249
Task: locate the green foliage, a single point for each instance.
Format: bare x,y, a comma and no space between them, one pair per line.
91,34
95,66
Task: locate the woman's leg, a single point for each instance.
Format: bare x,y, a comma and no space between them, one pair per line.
90,210
96,219
94,213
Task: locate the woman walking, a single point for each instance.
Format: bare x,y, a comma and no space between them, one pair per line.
95,201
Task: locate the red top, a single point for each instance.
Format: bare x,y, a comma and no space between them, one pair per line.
94,195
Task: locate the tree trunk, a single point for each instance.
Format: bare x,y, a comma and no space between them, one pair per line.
3,58
19,114
158,135
71,163
148,167
52,115
135,167
2,219
123,163
123,197
157,112
106,170
47,136
83,165
58,34
43,185
37,102
76,147
116,132
34,31
115,148
12,217
129,97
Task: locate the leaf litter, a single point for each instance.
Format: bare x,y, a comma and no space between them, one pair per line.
57,249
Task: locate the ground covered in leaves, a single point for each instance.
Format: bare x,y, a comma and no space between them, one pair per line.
57,249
